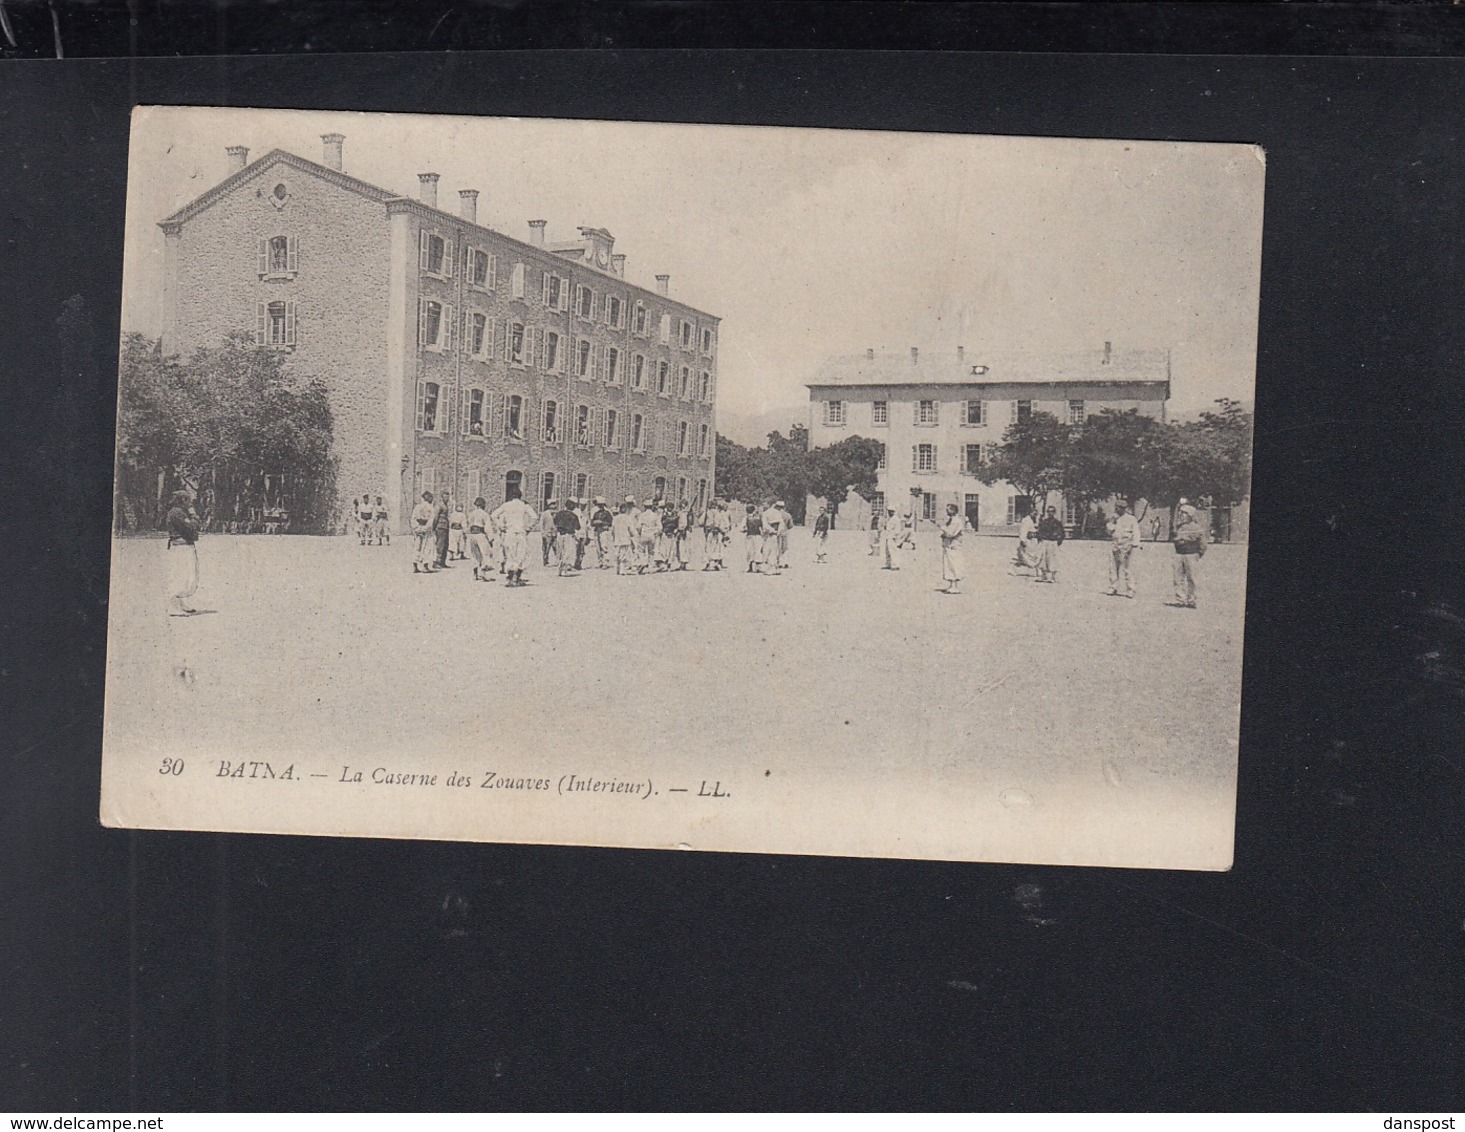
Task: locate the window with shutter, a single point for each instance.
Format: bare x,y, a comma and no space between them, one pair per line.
264,257
422,250
260,328
421,406
516,282
289,324
292,263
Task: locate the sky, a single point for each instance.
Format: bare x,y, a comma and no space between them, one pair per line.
809,243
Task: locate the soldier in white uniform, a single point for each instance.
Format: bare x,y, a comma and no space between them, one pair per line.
1123,538
714,532
774,539
952,564
515,520
648,530
422,561
479,524
892,532
623,536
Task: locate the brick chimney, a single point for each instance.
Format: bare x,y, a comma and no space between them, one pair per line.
332,144
663,284
427,188
869,353
536,232
238,157
915,355
618,265
468,205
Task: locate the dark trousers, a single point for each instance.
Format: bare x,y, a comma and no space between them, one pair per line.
442,546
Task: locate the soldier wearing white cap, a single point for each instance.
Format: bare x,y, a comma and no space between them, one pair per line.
891,534
549,537
774,538
1190,548
648,530
623,537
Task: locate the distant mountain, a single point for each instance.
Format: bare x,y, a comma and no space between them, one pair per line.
752,429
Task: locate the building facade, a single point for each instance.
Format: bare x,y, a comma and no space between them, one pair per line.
457,358
939,418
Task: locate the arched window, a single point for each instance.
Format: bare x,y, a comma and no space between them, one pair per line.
550,422
513,484
514,417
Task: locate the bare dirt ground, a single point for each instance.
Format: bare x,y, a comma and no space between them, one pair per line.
846,708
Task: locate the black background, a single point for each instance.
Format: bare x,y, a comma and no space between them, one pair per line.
152,971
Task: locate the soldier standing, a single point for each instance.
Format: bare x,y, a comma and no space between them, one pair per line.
514,520
623,537
601,521
821,535
422,531
1190,548
1123,538
182,524
479,525
1050,538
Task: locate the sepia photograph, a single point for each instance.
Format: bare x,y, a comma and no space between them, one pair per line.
750,489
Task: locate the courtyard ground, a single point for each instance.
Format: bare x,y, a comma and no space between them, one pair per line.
840,708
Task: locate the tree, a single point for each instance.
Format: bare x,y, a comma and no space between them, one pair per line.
789,467
851,464
232,423
741,471
779,471
1116,454
1209,457
1034,457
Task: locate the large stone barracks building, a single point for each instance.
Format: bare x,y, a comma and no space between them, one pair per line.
457,358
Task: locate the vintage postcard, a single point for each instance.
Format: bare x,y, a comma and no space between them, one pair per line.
665,486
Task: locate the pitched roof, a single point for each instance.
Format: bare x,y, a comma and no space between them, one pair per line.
254,168
977,366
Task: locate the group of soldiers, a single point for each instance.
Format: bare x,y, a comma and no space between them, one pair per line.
657,536
1038,543
370,520
653,537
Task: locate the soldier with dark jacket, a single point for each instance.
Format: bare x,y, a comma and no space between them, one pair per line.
1190,548
182,525
441,530
1050,538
